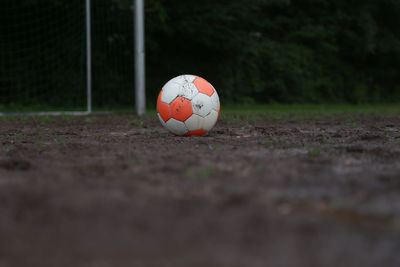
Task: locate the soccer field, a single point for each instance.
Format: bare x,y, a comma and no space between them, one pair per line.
267,187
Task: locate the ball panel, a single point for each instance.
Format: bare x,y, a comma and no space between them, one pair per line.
169,92
158,99
199,132
210,120
181,108
188,90
163,108
161,120
179,86
194,122
215,101
201,104
203,86
183,79
176,127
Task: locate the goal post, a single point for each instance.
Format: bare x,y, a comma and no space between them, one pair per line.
140,92
70,57
88,56
139,50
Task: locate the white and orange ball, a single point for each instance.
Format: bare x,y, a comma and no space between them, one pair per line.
188,105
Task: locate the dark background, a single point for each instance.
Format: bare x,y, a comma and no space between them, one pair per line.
252,51
279,50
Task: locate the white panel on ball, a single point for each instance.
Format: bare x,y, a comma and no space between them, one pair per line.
182,79
177,127
215,101
161,120
201,104
188,90
194,122
169,92
210,120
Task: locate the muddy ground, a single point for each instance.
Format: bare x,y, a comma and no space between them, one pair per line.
260,190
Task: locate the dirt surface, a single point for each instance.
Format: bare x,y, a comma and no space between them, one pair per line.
260,190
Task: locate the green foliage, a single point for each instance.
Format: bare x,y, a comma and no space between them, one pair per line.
280,51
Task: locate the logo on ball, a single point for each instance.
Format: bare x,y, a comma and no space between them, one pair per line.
188,105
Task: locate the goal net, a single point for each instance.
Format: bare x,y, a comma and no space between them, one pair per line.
113,54
43,55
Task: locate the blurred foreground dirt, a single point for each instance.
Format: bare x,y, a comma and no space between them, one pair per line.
257,191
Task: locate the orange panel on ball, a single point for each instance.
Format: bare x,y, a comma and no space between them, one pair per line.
163,108
203,86
196,132
181,108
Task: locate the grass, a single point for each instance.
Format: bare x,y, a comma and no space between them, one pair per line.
58,139
351,121
214,147
133,162
271,143
312,151
89,119
7,148
17,135
40,141
244,114
241,109
85,131
302,113
260,166
325,109
204,171
324,140
138,122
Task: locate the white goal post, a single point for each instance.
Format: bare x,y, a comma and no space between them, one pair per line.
140,85
140,92
88,57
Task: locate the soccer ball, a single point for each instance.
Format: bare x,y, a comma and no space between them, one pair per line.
188,105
